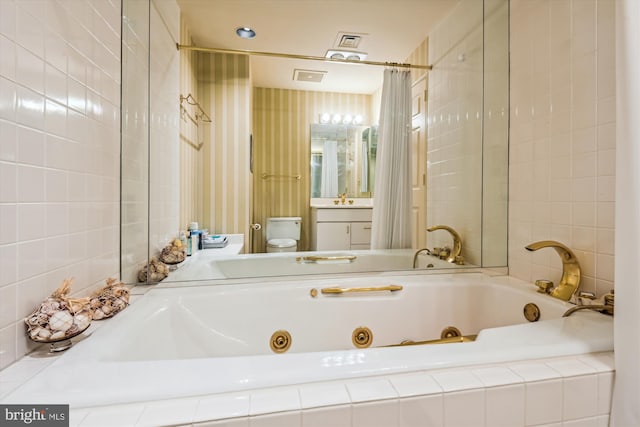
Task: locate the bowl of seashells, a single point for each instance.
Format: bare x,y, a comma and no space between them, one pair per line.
174,253
59,318
109,300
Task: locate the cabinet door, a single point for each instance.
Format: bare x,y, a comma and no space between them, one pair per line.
360,233
333,235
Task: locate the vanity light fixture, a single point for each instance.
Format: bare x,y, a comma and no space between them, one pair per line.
345,119
245,32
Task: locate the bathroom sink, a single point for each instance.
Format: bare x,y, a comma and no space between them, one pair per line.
329,203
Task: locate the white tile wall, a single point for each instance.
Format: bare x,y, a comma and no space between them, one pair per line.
562,137
59,154
455,127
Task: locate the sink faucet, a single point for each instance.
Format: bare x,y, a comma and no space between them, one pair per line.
570,280
457,242
342,196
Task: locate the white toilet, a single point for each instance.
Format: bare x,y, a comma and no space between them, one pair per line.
283,234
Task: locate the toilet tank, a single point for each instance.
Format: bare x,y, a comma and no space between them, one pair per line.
284,227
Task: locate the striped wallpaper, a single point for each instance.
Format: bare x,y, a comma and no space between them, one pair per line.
224,87
281,135
191,137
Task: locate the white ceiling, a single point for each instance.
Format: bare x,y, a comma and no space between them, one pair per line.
390,29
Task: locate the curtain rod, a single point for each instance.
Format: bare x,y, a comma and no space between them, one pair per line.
293,56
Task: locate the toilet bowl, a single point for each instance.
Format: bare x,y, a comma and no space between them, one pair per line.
282,245
283,234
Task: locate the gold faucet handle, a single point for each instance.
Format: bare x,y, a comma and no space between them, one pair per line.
585,298
544,286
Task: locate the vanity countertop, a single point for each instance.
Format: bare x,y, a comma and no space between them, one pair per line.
358,203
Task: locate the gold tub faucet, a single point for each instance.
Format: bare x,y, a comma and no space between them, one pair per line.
457,242
570,281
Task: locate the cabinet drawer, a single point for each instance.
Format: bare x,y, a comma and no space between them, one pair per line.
344,214
360,233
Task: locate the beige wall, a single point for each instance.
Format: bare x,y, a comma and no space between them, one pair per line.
224,87
563,139
281,124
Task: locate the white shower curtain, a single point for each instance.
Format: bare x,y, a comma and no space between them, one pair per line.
364,172
329,182
391,227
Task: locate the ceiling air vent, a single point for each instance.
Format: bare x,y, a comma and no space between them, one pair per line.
349,41
312,76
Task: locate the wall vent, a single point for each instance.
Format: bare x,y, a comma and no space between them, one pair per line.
312,76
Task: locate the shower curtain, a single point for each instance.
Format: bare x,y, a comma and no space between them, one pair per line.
364,172
391,223
329,182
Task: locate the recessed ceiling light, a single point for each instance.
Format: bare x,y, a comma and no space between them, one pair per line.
245,32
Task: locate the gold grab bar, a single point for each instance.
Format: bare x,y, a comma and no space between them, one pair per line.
269,175
450,340
316,258
391,288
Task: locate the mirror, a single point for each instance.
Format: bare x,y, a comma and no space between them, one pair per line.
343,160
177,170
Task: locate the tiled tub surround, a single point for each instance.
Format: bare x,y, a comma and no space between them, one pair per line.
492,381
59,154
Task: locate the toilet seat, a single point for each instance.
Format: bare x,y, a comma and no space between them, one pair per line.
281,243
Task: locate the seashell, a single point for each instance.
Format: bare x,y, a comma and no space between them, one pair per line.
60,321
35,331
106,309
37,319
98,314
82,320
44,334
50,306
73,330
57,335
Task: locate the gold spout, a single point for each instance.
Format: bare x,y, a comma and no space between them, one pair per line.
418,252
457,241
570,281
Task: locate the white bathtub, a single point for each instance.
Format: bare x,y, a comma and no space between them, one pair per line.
189,341
210,264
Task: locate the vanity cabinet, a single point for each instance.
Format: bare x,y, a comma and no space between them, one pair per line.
340,228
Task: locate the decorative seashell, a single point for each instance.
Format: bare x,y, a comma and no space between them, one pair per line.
82,320
57,335
50,306
98,314
44,334
73,330
60,321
